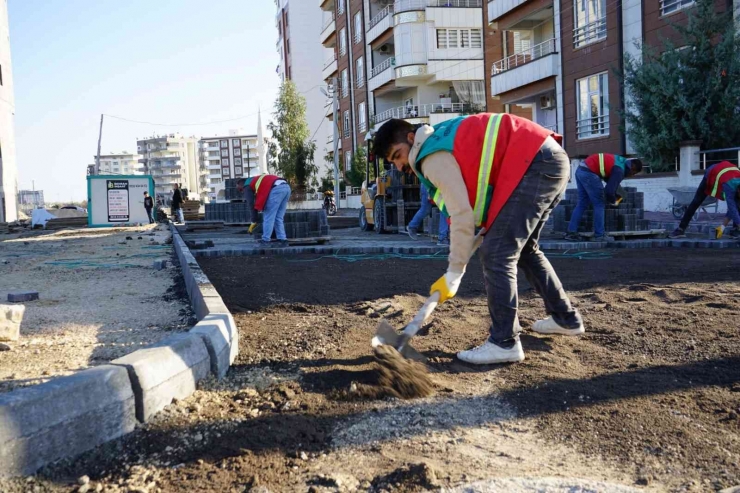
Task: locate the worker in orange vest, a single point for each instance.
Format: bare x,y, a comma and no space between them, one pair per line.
268,194
503,174
721,181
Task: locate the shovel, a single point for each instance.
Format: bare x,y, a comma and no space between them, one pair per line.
386,334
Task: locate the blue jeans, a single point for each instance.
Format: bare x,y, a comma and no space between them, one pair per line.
424,211
590,191
274,212
513,242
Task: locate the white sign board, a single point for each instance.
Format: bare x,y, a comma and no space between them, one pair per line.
117,200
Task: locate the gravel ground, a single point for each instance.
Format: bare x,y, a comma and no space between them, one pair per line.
100,298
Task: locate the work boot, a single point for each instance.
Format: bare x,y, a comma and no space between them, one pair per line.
735,233
262,244
413,233
550,326
572,237
677,233
604,237
489,353
444,242
282,244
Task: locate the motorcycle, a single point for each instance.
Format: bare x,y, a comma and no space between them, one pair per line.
329,205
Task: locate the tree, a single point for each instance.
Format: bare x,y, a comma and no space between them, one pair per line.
356,173
290,153
689,91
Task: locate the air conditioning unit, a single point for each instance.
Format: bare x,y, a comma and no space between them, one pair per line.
384,49
546,103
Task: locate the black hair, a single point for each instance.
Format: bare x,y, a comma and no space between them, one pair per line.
392,132
635,166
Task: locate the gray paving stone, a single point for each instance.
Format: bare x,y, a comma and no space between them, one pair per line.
21,296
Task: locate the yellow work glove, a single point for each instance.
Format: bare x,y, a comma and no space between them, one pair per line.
447,286
251,227
619,200
720,231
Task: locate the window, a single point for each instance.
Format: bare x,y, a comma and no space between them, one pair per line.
590,21
224,143
340,7
345,84
345,124
224,153
225,172
361,119
358,27
476,38
347,161
237,151
593,106
342,42
237,170
235,142
224,162
237,161
666,7
360,72
447,38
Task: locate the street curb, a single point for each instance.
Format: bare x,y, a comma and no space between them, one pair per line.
69,415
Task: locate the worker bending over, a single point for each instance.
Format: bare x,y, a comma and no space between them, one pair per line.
268,194
505,174
721,181
597,167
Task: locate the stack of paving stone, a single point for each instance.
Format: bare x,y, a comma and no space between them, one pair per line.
228,212
230,190
628,216
191,210
301,224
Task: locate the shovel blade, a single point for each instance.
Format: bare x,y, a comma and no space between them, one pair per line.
386,334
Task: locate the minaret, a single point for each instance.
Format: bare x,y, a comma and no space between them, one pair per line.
261,144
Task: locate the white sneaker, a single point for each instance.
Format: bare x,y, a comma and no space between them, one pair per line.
489,353
549,326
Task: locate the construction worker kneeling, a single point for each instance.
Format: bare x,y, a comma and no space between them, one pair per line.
504,174
268,194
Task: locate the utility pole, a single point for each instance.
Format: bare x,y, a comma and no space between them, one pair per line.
249,165
335,98
100,138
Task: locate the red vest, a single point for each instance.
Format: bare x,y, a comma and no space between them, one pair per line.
518,141
261,184
720,174
594,164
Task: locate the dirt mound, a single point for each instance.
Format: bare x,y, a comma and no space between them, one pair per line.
414,477
398,377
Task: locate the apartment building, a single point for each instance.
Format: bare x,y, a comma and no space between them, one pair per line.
301,61
8,170
421,60
233,156
554,62
171,159
124,163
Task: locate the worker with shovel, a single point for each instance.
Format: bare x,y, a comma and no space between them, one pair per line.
503,174
721,181
268,194
597,167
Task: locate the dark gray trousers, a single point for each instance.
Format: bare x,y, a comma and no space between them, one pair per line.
513,242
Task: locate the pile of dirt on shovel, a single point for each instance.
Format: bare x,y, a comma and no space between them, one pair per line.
397,377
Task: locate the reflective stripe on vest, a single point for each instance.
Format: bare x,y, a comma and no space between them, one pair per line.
437,198
602,170
482,197
719,175
257,185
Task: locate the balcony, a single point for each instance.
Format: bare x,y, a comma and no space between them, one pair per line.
590,33
456,3
409,5
329,28
424,111
499,8
379,24
330,67
382,73
526,67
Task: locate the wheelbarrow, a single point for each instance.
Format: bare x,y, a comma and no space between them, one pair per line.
682,197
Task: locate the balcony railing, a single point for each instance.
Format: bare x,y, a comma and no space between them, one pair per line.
328,22
360,80
409,5
537,51
388,10
382,66
590,33
362,126
424,110
596,126
455,3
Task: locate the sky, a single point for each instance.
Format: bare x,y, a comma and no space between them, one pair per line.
175,62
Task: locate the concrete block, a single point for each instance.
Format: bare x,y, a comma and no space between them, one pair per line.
167,370
159,264
218,342
226,324
21,296
63,418
11,317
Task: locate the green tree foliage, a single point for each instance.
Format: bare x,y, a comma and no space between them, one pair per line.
356,173
290,153
689,90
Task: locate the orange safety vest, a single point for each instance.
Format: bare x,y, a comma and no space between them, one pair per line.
719,174
261,184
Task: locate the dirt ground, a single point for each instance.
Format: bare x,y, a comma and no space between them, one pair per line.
99,298
648,399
